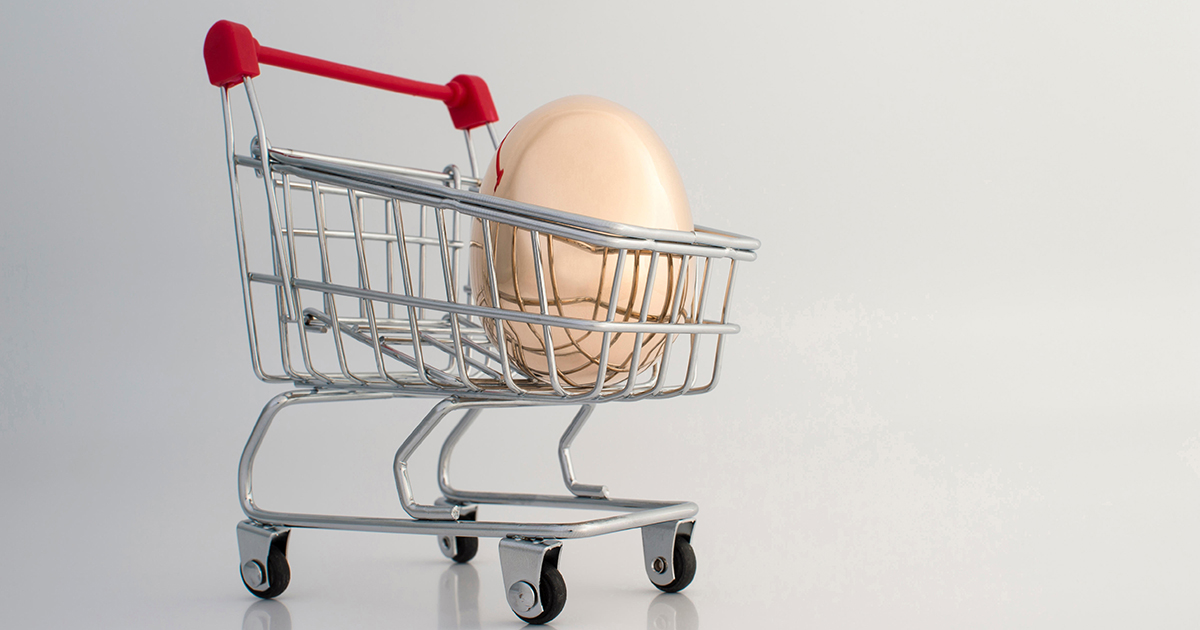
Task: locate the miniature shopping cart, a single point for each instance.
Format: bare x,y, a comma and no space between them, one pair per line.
354,278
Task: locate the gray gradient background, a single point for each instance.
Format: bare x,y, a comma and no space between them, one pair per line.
965,393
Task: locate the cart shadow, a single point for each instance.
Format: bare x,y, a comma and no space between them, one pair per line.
267,614
672,611
458,607
458,604
458,598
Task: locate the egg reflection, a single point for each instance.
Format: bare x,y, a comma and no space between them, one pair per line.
587,156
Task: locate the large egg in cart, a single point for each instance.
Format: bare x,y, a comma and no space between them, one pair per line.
587,156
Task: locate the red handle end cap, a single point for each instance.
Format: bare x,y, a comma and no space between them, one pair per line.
230,53
473,106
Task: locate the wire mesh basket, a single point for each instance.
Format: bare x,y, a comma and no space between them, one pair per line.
367,275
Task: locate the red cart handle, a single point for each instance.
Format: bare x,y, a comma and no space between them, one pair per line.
231,53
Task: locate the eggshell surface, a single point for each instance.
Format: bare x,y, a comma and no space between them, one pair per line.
587,156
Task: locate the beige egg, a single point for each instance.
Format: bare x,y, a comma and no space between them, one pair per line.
588,156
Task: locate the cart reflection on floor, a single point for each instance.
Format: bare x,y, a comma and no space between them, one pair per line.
458,607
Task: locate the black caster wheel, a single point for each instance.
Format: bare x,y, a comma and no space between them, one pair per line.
467,547
552,592
278,574
685,566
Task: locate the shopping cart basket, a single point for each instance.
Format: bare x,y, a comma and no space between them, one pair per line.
363,265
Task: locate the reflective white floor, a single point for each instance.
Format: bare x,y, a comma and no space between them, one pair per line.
458,600
1084,524
966,393
458,608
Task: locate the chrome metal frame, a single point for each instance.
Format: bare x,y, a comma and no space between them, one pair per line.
440,519
376,309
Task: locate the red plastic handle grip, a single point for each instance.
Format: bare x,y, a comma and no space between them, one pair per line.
231,53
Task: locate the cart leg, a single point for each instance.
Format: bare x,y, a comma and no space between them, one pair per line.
460,549
448,449
457,548
269,411
400,466
670,561
263,553
250,452
564,458
534,587
564,455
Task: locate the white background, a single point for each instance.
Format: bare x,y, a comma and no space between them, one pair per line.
965,393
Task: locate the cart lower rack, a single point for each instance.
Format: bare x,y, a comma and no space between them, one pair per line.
362,268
